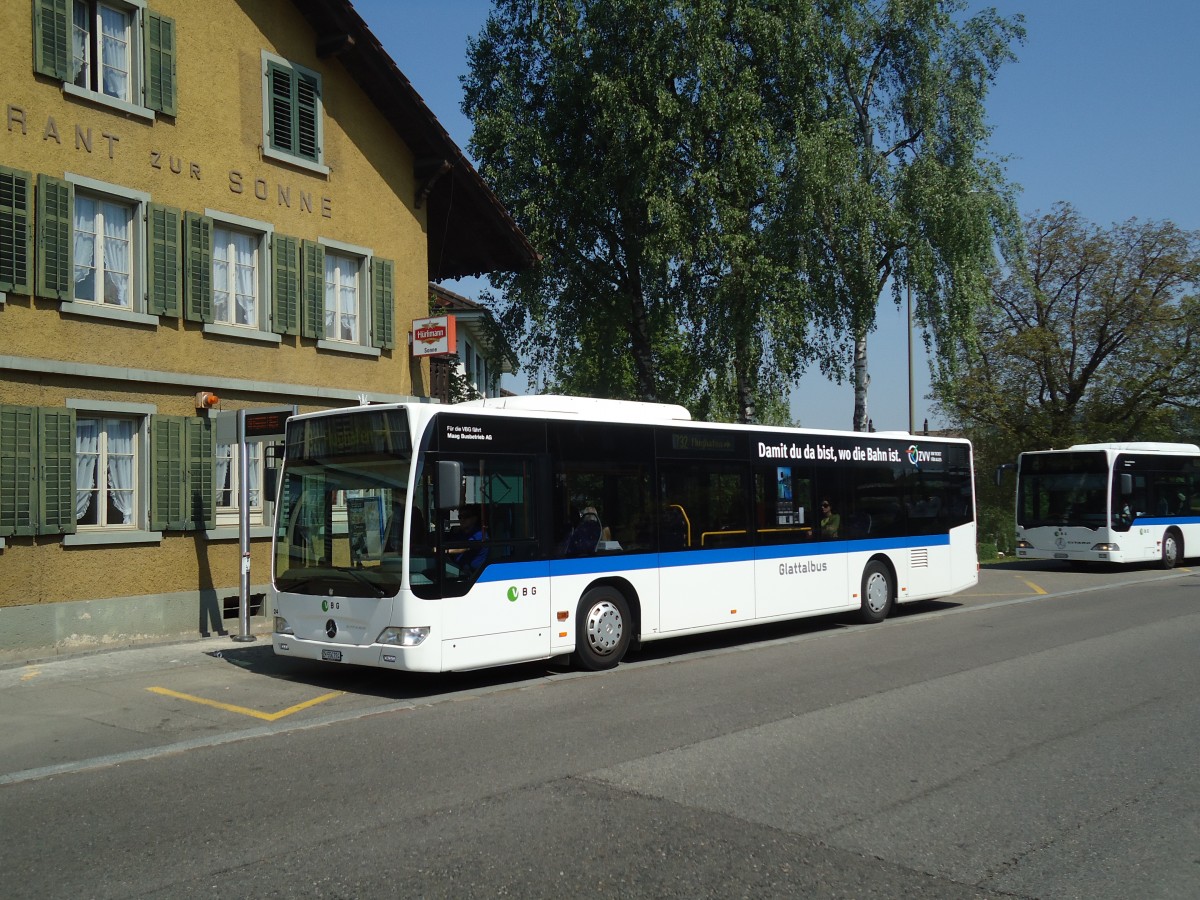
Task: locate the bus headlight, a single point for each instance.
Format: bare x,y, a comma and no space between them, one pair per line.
1108,548
282,626
1024,545
403,637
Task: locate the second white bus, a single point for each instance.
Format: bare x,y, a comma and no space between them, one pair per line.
1109,503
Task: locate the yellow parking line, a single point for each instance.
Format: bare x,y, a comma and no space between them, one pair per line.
1033,587
243,710
30,673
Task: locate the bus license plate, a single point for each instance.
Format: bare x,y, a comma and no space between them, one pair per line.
1061,556
331,655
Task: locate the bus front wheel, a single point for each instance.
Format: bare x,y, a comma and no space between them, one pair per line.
601,629
878,594
1170,550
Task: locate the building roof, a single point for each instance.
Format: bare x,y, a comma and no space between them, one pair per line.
469,231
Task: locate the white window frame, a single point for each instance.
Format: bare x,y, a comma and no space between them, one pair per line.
270,152
136,10
363,256
263,232
136,531
137,202
231,514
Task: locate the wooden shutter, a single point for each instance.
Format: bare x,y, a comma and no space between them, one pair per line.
51,38
201,473
312,292
308,116
383,305
56,485
16,233
159,45
281,127
182,473
197,283
165,287
18,470
285,284
55,199
168,481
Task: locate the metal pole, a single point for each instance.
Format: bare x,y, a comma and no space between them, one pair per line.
243,530
912,407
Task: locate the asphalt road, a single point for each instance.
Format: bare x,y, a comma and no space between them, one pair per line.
1034,737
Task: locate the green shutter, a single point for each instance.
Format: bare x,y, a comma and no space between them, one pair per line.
52,38
159,40
201,473
18,470
312,292
54,230
165,283
285,284
16,233
56,486
197,285
168,449
182,473
282,124
308,116
383,304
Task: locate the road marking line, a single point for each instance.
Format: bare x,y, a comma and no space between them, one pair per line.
243,710
30,672
1033,587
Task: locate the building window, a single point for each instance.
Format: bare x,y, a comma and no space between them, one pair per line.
229,484
235,277
104,250
102,49
343,298
106,472
292,112
117,53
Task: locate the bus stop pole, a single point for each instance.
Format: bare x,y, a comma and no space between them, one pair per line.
243,530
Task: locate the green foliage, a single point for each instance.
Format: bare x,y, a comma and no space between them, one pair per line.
1091,336
720,190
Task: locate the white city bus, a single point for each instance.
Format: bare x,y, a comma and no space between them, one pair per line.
432,538
1112,503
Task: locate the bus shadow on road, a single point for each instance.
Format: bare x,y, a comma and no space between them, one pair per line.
261,660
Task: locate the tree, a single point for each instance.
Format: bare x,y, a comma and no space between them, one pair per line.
722,189
647,148
1092,335
901,192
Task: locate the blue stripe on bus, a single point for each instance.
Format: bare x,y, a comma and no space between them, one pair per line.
1167,520
605,563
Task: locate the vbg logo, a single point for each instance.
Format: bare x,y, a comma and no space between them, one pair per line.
515,593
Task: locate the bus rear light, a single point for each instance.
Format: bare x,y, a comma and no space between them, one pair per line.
1107,548
403,637
282,626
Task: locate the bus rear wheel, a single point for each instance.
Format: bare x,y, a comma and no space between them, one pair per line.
878,593
602,628
1170,550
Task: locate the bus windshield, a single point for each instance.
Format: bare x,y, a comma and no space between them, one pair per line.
1063,489
339,530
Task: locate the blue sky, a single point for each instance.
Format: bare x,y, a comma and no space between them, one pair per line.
1101,110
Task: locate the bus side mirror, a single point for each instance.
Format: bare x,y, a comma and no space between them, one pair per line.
998,475
1126,484
449,484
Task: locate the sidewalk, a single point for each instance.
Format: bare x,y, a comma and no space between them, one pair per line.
64,711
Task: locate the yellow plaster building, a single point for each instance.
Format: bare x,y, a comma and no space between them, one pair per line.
204,208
